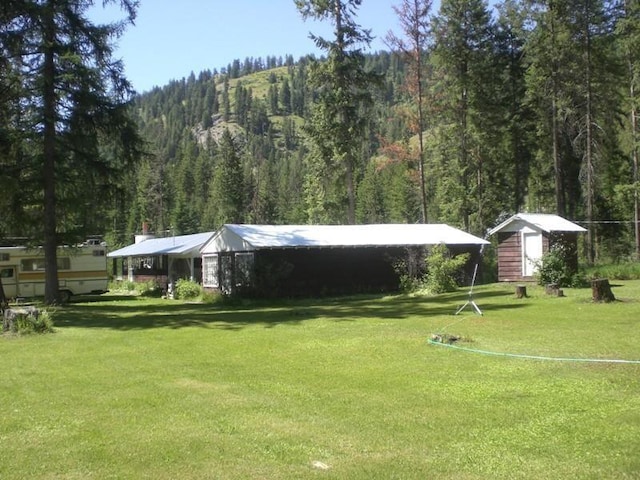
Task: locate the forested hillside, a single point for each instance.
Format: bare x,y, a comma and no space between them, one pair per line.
531,107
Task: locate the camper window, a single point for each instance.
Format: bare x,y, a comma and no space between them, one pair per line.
6,273
37,264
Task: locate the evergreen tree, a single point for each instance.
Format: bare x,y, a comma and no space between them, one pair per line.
226,197
226,102
514,118
285,97
573,70
462,56
338,120
414,21
628,39
75,100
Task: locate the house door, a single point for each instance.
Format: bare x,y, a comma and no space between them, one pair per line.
531,252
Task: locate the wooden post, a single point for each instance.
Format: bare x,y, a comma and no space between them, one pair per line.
521,291
601,290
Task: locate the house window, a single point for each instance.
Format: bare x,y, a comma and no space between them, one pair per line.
244,269
4,257
210,271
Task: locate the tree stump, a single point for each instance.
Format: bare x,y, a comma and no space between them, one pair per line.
553,289
601,290
10,316
521,291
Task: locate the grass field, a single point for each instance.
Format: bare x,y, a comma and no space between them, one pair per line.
343,388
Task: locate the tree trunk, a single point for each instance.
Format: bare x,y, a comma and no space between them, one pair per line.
633,114
423,187
49,153
557,163
601,290
554,289
521,291
3,298
589,160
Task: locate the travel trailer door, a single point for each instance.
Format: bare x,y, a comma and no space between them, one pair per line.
10,281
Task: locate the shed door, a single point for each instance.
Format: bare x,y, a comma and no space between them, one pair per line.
531,252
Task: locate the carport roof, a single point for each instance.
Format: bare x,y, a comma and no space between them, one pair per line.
182,245
254,237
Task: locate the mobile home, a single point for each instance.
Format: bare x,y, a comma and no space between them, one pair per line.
82,269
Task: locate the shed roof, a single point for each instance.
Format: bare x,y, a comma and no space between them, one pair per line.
181,245
235,237
541,221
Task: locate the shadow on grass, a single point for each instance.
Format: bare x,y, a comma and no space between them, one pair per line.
131,313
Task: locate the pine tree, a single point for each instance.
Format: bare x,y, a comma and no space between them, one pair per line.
337,124
461,59
414,21
514,119
227,189
628,39
76,99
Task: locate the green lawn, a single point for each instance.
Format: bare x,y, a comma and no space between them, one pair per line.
339,388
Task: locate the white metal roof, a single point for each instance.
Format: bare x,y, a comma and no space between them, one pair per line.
234,237
541,221
181,245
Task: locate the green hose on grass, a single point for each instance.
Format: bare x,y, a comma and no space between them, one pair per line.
438,342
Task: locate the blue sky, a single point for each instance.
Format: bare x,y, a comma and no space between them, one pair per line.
172,38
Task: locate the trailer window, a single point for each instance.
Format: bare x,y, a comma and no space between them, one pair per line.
6,273
37,264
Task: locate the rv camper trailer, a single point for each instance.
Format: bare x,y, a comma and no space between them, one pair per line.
82,269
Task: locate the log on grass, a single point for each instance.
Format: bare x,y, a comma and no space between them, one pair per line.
601,290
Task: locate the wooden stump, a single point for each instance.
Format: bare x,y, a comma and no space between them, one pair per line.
601,290
11,315
553,289
521,291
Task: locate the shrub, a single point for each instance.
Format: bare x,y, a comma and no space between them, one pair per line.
553,267
213,298
187,290
149,288
619,271
410,269
443,269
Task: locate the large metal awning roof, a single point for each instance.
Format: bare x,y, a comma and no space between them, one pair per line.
237,237
180,246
